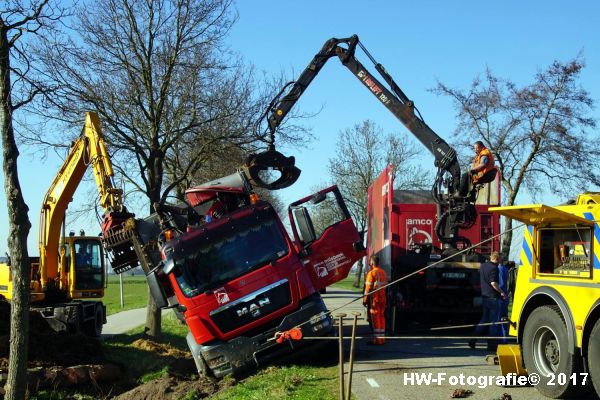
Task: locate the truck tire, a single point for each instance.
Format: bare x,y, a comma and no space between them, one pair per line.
546,352
202,367
593,357
93,327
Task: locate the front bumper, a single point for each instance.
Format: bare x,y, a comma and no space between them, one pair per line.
242,353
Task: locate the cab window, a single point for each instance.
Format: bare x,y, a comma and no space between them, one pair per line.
565,251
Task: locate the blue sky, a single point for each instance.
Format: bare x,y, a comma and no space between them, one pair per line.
419,43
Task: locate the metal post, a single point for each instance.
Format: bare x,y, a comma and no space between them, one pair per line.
341,343
351,366
121,291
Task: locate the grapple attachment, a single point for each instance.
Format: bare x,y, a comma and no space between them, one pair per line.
258,166
118,229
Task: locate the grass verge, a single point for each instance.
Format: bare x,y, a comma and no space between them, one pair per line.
146,362
316,380
135,293
348,284
286,382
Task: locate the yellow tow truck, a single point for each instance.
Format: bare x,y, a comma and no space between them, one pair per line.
556,305
71,268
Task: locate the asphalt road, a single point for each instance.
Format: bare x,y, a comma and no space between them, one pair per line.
124,321
400,369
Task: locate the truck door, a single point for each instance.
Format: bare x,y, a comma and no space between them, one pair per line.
326,236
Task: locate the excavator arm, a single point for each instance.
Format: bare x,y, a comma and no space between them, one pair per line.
457,207
88,149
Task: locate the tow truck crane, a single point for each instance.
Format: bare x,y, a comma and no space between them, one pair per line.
454,206
450,189
71,268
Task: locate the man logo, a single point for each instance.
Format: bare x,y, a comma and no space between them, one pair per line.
253,308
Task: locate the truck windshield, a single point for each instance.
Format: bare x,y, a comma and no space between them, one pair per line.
218,257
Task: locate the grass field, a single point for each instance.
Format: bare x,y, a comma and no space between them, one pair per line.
135,293
348,284
286,382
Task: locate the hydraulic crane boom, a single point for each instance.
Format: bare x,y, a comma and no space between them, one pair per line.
457,207
88,149
397,102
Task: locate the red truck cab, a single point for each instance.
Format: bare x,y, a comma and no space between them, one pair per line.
240,278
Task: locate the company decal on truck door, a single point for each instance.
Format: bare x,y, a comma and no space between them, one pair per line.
418,230
221,295
323,268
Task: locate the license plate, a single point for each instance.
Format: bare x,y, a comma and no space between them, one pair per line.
454,275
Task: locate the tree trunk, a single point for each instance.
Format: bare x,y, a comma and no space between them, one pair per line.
506,239
18,229
153,319
152,329
359,270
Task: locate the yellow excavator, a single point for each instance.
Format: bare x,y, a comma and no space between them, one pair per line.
71,268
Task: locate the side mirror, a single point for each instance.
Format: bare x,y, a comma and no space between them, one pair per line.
358,246
305,226
168,266
156,290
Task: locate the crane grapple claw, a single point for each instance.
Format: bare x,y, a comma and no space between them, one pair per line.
268,161
117,237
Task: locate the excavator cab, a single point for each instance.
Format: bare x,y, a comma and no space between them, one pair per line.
88,264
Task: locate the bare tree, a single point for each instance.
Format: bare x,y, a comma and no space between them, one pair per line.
167,89
537,132
363,151
19,22
155,71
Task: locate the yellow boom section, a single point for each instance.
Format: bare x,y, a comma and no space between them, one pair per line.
89,148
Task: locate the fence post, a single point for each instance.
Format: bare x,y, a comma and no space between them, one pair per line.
341,346
356,314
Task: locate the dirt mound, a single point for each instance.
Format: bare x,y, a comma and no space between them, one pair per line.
175,387
160,348
177,361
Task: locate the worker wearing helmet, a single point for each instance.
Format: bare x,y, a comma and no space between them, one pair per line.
375,302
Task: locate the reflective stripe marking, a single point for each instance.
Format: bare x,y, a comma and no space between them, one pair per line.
527,243
590,216
372,382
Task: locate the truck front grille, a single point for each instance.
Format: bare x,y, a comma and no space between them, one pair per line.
251,307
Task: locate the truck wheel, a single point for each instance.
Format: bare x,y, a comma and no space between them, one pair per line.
202,367
546,352
93,327
593,356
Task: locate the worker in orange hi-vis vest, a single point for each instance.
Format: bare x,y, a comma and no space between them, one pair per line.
375,303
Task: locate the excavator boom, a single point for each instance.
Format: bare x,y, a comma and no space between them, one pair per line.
89,149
